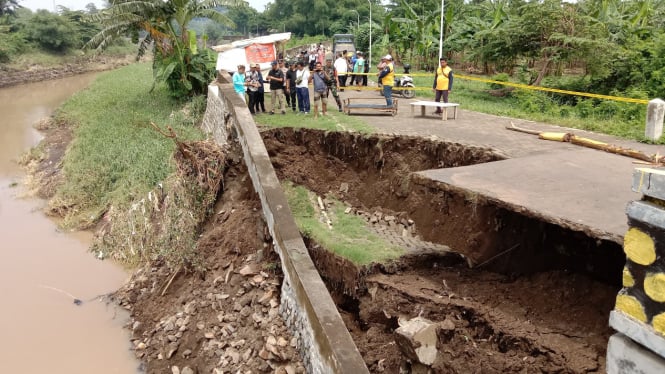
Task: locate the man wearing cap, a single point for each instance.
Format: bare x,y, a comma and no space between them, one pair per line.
387,79
443,82
252,79
276,79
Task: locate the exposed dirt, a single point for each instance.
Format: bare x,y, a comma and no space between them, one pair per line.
225,318
534,308
36,73
44,162
221,318
539,309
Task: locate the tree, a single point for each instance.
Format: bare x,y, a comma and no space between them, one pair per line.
51,31
176,60
9,7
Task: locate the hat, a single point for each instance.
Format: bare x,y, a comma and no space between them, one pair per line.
273,63
387,57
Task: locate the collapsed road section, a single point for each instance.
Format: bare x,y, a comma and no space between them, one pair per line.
536,294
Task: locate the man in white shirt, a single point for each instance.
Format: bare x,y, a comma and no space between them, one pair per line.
342,67
302,89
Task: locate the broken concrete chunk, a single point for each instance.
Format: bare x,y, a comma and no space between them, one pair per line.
250,269
416,338
447,324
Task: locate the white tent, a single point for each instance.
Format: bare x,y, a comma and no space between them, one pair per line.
261,50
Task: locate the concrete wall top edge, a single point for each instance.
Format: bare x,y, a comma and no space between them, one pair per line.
338,348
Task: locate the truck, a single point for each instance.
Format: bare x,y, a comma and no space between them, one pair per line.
343,42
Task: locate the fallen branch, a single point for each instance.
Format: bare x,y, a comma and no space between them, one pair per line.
76,300
170,280
590,143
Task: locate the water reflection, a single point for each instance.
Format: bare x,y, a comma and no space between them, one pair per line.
41,269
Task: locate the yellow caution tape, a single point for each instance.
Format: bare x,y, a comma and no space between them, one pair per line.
518,85
575,93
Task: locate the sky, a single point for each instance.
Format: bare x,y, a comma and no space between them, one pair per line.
80,4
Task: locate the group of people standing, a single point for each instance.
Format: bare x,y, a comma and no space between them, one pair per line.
351,66
289,83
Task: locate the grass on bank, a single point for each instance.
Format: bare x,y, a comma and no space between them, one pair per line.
332,121
349,237
116,156
46,59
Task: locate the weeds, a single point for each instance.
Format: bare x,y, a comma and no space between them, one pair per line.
624,120
332,121
116,157
349,236
122,174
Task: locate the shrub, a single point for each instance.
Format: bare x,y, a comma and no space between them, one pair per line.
51,31
502,77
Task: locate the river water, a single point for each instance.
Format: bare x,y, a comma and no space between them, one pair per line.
42,269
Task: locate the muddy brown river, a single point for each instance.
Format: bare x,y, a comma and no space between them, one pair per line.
42,269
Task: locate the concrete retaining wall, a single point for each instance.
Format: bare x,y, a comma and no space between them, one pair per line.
639,314
324,342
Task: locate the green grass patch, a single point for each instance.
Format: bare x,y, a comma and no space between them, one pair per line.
349,236
116,156
332,121
623,120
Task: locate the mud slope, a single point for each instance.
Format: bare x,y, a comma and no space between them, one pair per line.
223,316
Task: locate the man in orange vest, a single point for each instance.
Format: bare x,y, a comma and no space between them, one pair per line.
443,82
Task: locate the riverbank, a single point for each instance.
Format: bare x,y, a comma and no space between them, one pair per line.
204,295
36,72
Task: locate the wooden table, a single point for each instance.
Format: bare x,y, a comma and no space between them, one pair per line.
366,103
443,106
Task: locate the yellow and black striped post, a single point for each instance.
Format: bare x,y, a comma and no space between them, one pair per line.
639,313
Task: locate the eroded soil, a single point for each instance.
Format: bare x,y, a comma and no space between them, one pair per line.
223,319
536,308
219,315
538,301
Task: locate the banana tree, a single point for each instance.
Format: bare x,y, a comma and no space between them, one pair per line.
176,60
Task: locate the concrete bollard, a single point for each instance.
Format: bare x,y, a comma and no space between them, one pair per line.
655,115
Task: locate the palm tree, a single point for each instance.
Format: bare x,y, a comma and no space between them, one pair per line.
165,23
8,7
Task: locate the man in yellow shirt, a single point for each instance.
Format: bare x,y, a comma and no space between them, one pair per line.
443,82
387,79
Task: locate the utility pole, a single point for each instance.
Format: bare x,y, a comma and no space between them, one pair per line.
441,32
369,62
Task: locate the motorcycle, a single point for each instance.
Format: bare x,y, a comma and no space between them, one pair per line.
405,84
